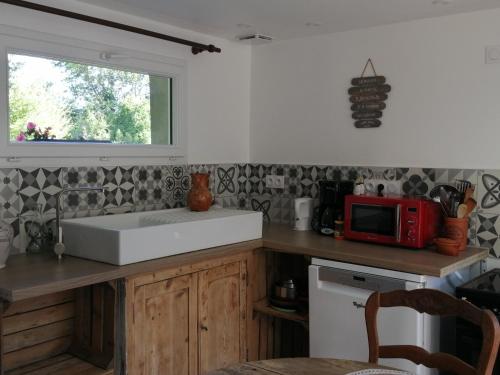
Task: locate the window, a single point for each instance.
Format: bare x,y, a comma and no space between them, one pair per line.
79,99
62,101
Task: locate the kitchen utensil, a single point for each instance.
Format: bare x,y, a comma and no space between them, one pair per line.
444,199
471,205
435,192
447,246
469,193
455,199
286,290
462,211
462,185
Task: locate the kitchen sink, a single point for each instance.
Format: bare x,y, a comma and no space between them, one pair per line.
136,237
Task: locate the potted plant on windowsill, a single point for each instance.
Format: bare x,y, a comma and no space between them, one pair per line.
34,133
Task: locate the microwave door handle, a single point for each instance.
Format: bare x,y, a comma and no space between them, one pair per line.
398,223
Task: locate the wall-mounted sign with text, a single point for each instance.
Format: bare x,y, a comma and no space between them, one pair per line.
368,96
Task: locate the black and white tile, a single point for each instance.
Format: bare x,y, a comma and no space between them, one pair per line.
9,197
262,204
489,191
416,181
226,180
120,187
81,203
177,184
257,179
487,232
39,186
150,192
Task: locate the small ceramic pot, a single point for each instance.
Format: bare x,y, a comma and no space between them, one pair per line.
199,197
447,246
457,229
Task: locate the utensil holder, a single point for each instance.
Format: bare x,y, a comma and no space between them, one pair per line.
457,229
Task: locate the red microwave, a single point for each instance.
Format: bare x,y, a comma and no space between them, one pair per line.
408,222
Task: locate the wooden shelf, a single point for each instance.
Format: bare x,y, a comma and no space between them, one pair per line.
64,364
263,307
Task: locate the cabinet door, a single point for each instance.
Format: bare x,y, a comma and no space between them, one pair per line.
222,304
164,338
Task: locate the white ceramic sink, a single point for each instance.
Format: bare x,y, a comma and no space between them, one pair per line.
136,237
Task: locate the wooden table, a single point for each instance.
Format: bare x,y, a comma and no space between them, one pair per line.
296,366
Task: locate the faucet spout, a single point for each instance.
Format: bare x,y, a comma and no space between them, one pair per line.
66,189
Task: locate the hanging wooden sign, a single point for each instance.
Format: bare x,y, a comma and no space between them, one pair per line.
366,115
371,123
368,95
362,107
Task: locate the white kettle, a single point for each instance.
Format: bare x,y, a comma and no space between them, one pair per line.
303,213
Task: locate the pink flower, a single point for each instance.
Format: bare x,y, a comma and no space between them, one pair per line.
31,126
21,137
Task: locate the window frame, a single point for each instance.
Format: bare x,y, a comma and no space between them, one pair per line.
71,49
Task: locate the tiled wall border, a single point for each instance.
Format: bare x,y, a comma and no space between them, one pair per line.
144,188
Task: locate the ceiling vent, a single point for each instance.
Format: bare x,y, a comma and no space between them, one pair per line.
255,38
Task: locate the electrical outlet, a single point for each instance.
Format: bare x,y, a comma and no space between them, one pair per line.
279,182
275,182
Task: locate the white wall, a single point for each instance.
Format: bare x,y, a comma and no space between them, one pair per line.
443,111
218,96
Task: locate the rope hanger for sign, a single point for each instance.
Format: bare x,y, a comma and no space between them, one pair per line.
370,63
368,95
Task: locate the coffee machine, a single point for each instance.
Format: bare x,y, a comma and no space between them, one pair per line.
331,205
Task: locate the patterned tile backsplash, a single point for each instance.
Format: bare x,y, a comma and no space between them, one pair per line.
145,188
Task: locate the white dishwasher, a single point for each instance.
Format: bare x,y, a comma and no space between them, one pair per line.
337,296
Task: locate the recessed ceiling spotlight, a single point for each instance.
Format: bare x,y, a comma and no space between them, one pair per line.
244,25
441,2
313,24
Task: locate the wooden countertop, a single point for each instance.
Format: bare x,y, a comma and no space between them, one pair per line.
29,276
423,262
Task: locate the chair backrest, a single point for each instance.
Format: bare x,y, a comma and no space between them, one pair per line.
434,302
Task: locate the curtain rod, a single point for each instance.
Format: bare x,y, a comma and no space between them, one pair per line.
195,47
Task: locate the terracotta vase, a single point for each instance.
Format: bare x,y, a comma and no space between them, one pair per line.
199,197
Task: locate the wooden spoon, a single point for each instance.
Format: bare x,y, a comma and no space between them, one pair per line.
462,211
471,205
469,193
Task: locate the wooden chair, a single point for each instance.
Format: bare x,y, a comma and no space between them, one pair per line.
434,302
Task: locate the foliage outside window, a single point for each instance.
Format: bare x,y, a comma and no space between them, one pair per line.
53,100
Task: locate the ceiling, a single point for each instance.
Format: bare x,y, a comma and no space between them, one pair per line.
286,19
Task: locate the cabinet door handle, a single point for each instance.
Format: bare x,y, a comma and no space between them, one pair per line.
203,328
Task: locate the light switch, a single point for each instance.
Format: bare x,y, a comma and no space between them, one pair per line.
492,54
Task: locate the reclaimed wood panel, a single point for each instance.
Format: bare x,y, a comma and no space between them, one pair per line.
36,353
37,318
38,335
63,364
163,328
94,325
222,316
40,302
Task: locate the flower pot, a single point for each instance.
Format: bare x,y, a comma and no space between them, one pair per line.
199,197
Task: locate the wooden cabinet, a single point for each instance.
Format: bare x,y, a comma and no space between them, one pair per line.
222,316
164,328
189,320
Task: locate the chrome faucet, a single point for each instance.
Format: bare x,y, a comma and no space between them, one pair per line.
59,247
